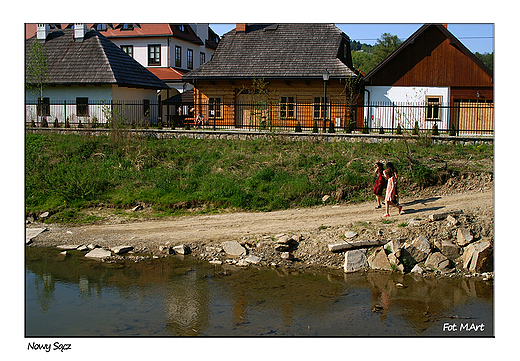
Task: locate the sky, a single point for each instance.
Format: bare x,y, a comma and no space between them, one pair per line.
476,37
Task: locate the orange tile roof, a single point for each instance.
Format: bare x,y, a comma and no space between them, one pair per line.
166,74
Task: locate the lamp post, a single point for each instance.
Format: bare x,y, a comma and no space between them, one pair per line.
325,80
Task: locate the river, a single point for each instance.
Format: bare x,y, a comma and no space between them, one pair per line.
180,296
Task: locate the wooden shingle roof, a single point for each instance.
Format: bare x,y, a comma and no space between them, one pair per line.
279,51
93,61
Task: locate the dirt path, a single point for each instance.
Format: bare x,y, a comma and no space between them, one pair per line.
233,226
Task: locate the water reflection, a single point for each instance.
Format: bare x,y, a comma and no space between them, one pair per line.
182,297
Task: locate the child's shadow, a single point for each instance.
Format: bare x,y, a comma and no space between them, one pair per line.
407,210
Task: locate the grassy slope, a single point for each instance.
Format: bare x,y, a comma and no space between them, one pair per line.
65,173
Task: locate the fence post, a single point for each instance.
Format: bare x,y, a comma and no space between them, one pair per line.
64,112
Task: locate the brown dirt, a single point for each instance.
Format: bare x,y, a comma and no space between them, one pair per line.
318,226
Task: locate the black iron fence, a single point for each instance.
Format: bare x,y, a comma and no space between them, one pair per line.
462,117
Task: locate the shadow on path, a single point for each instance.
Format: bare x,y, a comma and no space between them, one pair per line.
413,210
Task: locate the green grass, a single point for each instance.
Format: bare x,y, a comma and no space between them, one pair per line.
66,173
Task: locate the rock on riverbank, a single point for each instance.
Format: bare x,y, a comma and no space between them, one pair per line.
444,244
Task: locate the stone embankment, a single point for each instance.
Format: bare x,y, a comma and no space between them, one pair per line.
449,244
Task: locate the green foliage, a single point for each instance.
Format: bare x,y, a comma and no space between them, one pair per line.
415,130
398,130
435,129
453,131
298,128
331,127
381,130
487,59
315,127
365,127
366,59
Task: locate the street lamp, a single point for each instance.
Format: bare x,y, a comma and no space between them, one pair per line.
325,80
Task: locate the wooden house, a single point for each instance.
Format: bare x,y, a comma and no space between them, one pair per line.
432,78
87,72
273,74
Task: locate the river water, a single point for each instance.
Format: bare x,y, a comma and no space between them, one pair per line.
175,296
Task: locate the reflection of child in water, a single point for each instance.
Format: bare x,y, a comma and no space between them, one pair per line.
391,191
380,184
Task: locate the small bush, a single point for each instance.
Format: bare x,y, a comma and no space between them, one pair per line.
398,130
331,127
435,129
415,130
298,128
56,124
315,127
44,123
94,122
381,130
365,127
453,131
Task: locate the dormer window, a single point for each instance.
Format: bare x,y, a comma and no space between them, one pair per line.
127,26
181,27
101,27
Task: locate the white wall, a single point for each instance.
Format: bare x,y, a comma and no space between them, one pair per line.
103,95
390,106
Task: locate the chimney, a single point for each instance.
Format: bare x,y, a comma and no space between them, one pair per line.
240,28
42,30
79,31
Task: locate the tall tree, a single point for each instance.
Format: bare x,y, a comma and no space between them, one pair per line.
37,72
386,44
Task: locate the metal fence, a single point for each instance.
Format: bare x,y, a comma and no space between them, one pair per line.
462,117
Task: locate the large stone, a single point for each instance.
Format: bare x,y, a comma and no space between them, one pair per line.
68,247
233,248
355,260
253,259
182,249
98,253
449,249
121,249
478,257
338,247
464,237
350,234
395,262
31,233
379,260
418,249
438,261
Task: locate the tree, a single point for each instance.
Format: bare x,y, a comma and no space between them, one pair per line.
385,45
37,72
486,58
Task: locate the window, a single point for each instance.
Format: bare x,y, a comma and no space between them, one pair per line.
129,49
202,58
318,107
127,26
190,59
154,55
146,107
287,107
433,107
101,27
82,107
215,107
181,27
178,52
44,107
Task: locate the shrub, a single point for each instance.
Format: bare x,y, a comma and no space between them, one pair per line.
298,128
67,123
44,123
56,124
315,127
381,130
453,131
399,130
331,127
415,130
365,127
435,129
94,122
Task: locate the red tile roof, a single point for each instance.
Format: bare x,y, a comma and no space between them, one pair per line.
166,74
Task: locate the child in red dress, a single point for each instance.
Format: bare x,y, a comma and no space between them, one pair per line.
391,188
380,184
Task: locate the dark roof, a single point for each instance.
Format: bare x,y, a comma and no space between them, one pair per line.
187,97
453,40
95,60
288,51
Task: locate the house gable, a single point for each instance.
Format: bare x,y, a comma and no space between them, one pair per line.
432,56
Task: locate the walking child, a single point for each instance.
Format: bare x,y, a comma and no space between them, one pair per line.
380,184
394,171
391,197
